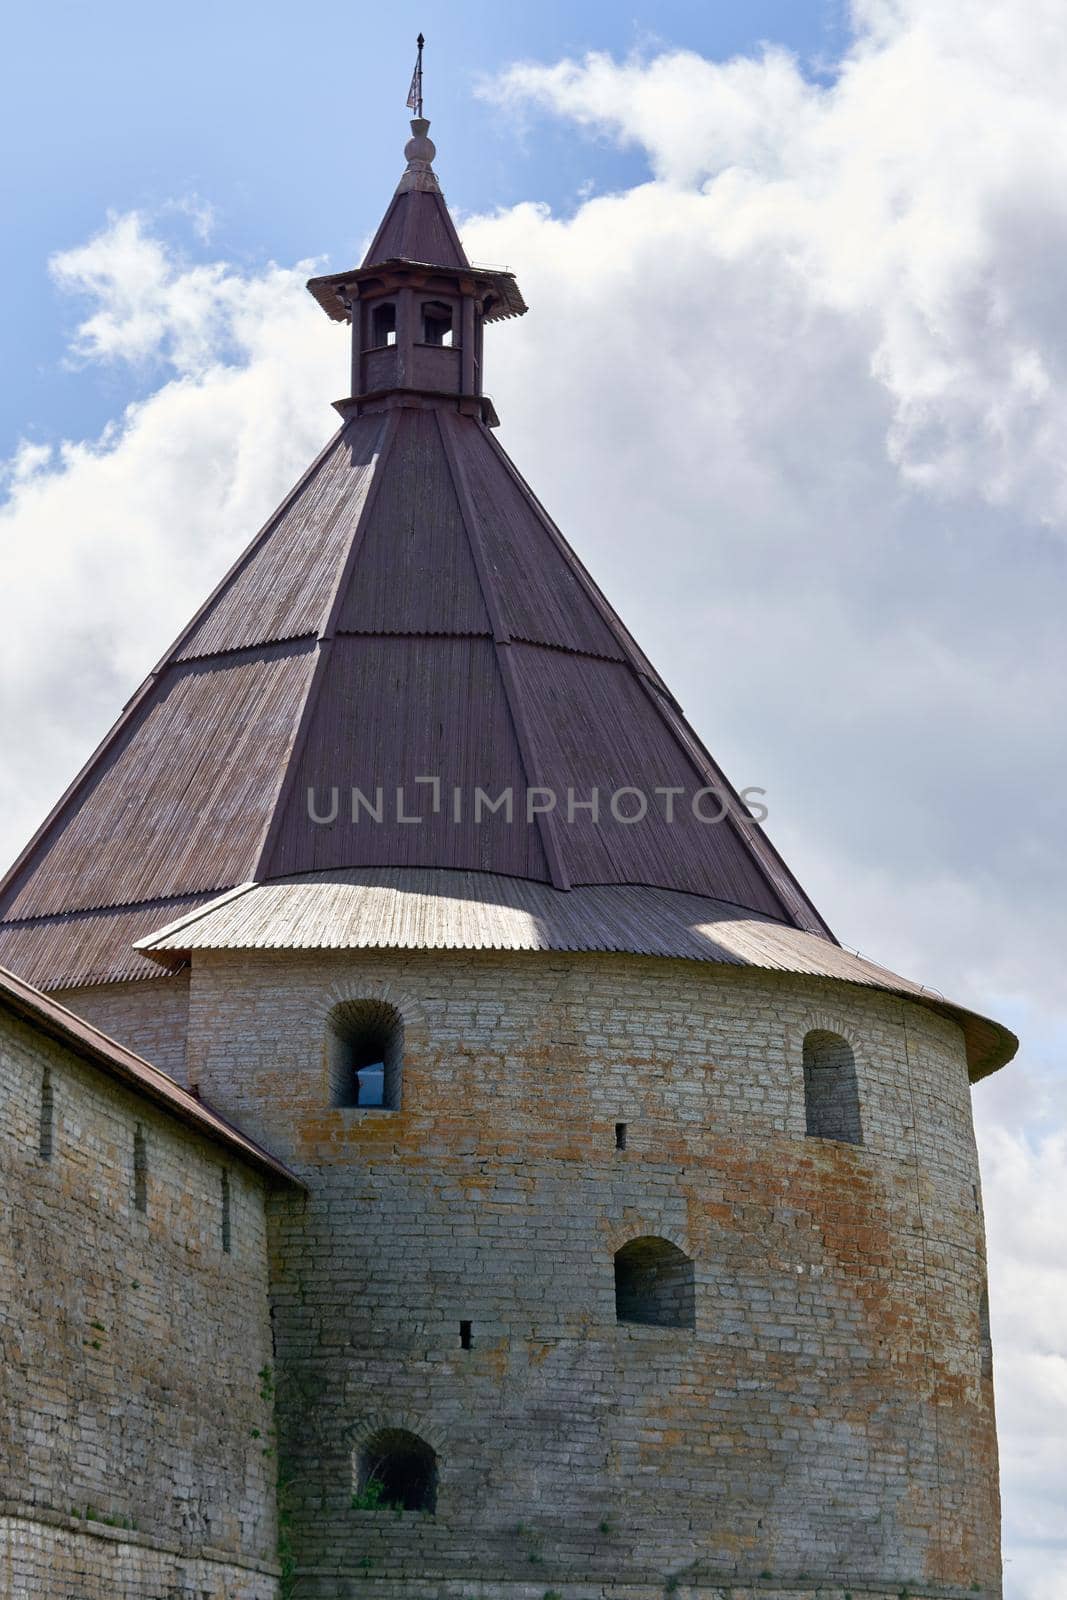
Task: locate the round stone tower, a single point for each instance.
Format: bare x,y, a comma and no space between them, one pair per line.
642,1248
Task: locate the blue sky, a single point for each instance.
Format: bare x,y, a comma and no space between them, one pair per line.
794,383
289,125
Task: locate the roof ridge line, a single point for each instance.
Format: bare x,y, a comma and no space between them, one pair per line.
632,652
324,642
793,897
501,637
141,693
250,549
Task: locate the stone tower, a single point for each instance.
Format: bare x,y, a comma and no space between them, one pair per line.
642,1247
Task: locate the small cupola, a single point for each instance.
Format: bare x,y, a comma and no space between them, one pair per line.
417,307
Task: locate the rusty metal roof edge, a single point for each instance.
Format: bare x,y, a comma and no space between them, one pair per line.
101,1050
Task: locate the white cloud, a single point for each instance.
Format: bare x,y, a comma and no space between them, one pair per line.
109,545
921,193
819,360
799,400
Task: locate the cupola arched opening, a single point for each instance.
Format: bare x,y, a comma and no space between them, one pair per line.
383,324
437,325
654,1284
831,1091
365,1049
397,1471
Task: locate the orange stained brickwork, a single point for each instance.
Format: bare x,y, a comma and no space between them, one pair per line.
827,1418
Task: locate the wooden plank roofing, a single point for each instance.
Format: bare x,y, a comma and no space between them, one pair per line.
47,1016
409,610
414,909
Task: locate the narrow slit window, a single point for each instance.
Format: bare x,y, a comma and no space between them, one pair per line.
227,1224
140,1170
47,1120
464,1335
620,1136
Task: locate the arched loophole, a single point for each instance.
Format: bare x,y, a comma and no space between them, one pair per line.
397,1470
831,1092
436,323
383,325
365,1047
654,1284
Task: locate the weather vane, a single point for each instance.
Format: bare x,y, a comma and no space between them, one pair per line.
414,100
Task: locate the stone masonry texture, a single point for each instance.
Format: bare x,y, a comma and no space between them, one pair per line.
149,1018
825,1427
136,1372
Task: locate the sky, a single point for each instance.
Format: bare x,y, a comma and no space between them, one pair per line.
794,383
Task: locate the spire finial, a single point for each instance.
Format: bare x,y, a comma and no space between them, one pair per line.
414,100
419,150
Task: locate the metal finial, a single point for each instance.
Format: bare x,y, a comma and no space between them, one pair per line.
414,100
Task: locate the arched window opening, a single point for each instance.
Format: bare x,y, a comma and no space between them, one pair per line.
365,1046
383,325
831,1092
654,1284
397,1472
436,323
985,1338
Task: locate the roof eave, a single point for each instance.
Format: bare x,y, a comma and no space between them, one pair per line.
494,280
66,1028
988,1044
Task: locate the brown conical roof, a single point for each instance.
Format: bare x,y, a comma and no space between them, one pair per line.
410,626
410,612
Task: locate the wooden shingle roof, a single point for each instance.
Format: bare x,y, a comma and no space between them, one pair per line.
409,627
410,610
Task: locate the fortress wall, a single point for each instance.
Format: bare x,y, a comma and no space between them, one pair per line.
828,1417
149,1017
135,1426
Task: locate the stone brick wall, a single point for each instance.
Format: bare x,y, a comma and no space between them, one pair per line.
136,1453
149,1018
827,1418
